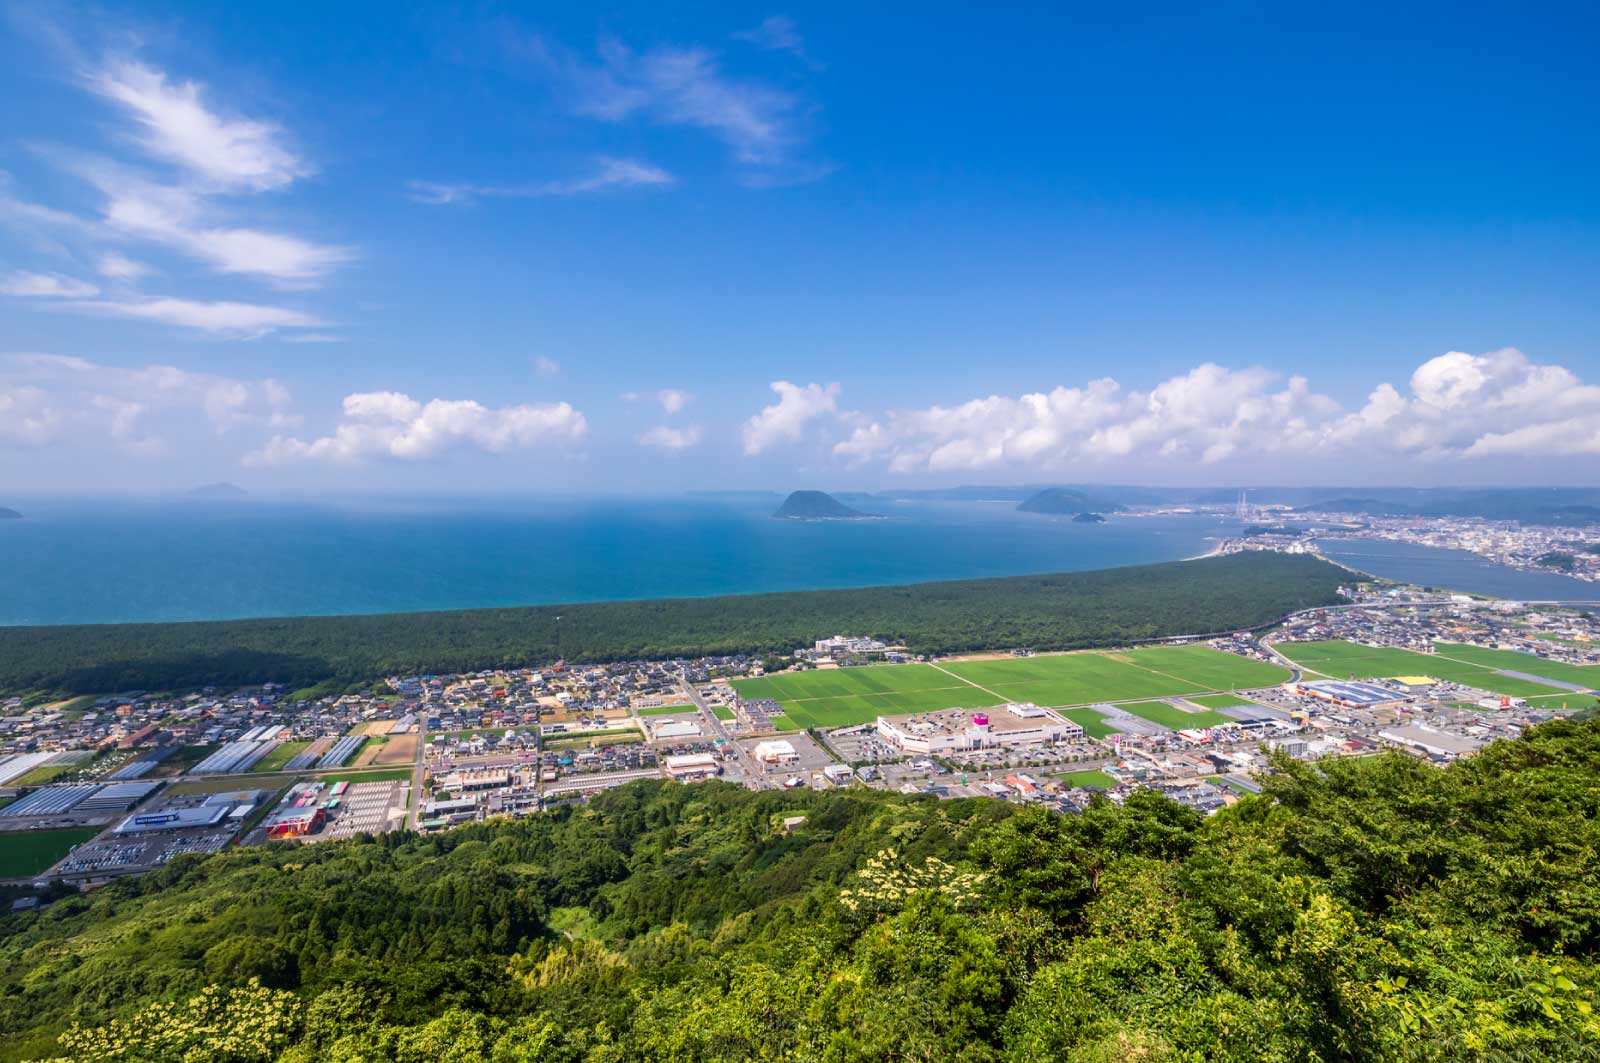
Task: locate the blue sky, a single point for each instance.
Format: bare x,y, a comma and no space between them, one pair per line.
575,247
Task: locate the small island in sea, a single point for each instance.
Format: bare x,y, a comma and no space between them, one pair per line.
1065,501
1087,518
9,514
217,490
817,505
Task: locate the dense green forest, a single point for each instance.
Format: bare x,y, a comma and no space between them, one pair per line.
1379,910
1068,611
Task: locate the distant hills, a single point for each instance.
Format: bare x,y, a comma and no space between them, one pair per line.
1531,505
9,514
816,505
218,490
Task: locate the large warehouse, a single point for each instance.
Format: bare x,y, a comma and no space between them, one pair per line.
1351,694
954,730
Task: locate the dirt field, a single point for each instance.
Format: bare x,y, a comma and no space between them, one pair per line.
375,728
401,749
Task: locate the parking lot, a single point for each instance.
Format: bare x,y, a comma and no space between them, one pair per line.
856,745
812,757
371,807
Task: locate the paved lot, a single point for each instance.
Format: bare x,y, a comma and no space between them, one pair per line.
812,756
373,807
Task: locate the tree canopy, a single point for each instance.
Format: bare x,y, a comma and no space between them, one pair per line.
1356,910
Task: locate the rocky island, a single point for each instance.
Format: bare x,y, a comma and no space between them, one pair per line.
1066,501
817,505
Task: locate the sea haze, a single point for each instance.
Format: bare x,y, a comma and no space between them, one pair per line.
72,562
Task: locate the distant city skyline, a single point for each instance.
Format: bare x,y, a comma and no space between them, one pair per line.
558,250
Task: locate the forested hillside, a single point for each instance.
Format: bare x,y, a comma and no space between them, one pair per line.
1068,611
1382,910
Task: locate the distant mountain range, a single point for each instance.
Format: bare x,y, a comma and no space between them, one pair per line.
1532,505
816,505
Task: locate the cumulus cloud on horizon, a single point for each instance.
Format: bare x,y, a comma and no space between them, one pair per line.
47,399
1459,405
390,424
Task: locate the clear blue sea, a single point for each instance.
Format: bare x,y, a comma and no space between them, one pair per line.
100,561
80,561
1456,569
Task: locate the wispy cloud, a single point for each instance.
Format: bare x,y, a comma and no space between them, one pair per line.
241,320
180,218
201,167
175,124
766,128
389,424
120,267
667,438
45,285
546,366
671,400
777,33
609,173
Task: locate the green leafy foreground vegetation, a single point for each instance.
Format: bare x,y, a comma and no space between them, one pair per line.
1078,610
1357,910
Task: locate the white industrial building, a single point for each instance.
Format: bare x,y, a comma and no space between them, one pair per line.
1018,724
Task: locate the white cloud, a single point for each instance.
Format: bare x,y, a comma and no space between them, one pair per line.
609,173
179,218
46,285
765,127
672,399
785,421
665,437
175,125
247,320
1460,406
26,415
120,267
48,398
546,366
195,209
776,33
394,425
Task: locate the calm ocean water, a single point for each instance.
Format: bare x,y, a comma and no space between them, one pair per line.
74,561
110,561
1457,570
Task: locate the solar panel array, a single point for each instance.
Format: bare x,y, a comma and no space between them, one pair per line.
341,751
49,801
235,756
309,755
146,763
15,767
118,797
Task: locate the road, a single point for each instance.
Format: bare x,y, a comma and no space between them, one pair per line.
752,770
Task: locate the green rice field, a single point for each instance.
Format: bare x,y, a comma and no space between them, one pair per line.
679,709
1467,665
1220,701
30,852
1088,778
281,754
1172,717
839,697
1093,722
